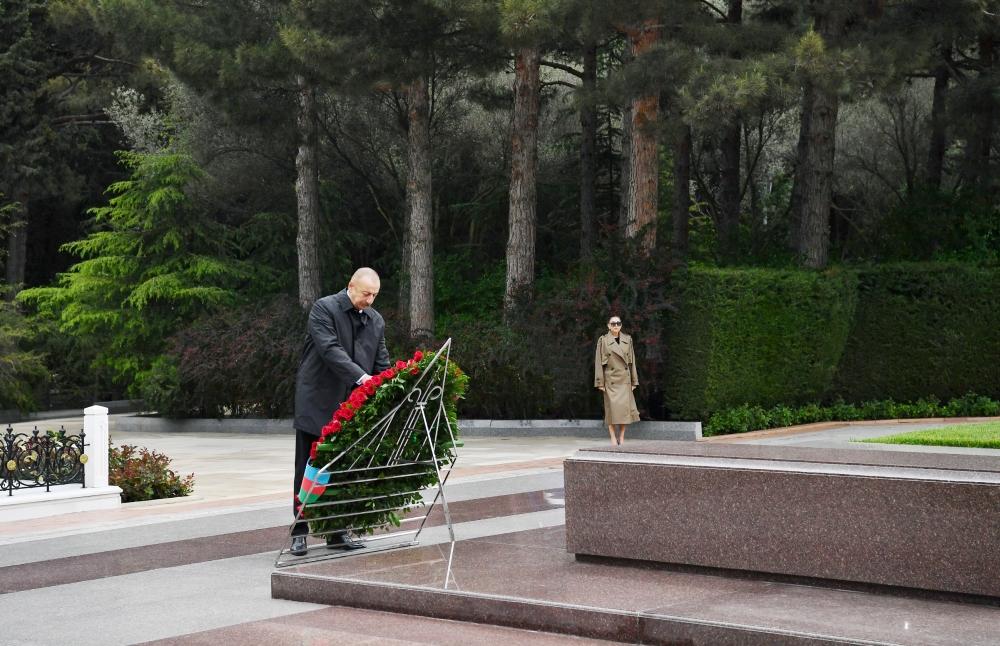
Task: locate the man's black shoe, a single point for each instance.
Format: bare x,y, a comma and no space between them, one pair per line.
298,546
343,542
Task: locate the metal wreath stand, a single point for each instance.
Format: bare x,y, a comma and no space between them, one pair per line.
425,414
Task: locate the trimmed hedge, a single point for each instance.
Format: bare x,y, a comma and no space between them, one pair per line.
757,336
923,329
904,332
746,418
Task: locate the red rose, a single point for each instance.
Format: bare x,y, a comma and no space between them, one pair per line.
418,355
334,427
348,414
385,374
370,387
414,370
377,380
400,365
314,450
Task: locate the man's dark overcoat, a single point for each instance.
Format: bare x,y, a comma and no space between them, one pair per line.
334,358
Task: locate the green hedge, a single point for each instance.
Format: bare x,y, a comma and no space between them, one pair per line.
747,417
757,336
920,330
764,338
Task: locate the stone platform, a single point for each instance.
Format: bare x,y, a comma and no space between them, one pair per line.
528,580
887,518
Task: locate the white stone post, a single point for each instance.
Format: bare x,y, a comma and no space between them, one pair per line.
95,426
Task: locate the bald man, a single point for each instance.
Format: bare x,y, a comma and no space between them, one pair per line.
344,346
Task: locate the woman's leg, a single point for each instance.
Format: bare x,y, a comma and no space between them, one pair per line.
611,431
621,433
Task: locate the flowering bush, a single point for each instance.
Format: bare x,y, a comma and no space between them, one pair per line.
145,475
365,406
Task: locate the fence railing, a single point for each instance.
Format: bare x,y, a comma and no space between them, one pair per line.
41,459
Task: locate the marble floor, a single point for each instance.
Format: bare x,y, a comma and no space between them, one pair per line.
527,580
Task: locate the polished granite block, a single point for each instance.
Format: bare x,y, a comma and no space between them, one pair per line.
528,580
924,521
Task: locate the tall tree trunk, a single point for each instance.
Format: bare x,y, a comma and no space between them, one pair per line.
644,160
682,194
939,124
817,148
729,192
729,172
588,151
624,185
978,147
795,201
307,195
418,194
17,247
522,218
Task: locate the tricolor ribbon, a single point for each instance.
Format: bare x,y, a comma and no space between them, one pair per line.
313,484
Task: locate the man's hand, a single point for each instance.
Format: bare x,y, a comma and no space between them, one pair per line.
364,378
601,388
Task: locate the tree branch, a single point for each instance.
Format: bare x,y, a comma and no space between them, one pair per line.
564,83
560,66
716,10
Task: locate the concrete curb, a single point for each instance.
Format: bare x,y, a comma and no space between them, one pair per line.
595,428
588,428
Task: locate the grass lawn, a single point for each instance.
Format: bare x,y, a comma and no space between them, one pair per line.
984,435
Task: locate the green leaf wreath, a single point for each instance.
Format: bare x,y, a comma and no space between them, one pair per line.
395,489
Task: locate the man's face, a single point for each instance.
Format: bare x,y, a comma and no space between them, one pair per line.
362,292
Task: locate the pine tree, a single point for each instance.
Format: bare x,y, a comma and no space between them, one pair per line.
233,54
417,40
524,23
818,53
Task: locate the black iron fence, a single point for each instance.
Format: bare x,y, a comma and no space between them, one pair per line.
41,459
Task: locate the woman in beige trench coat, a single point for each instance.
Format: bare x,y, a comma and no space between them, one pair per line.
616,377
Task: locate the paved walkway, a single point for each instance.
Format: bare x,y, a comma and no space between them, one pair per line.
172,570
168,569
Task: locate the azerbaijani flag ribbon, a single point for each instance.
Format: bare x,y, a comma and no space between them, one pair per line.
313,484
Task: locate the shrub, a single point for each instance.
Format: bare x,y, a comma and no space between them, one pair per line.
145,475
239,362
752,417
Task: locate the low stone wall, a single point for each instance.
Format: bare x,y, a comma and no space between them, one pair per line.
916,520
689,431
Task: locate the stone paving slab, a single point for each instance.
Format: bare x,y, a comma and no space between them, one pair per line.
354,626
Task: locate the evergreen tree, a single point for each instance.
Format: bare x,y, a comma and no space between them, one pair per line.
157,262
234,55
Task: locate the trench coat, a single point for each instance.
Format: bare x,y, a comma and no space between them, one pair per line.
614,370
333,359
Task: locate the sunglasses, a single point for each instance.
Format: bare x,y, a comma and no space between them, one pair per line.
615,323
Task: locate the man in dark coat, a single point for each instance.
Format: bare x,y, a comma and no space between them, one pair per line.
344,347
